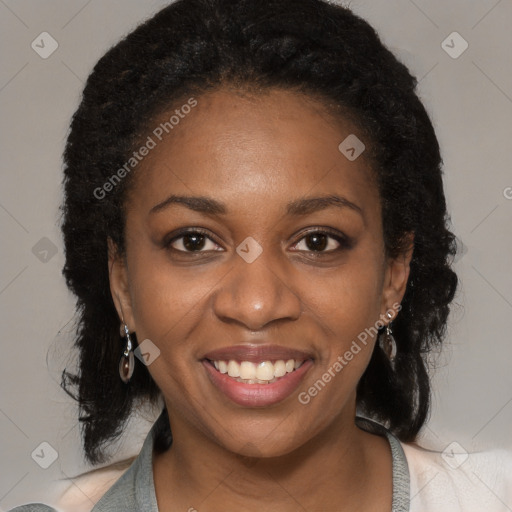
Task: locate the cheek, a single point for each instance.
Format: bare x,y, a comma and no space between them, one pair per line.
164,298
347,307
167,304
348,298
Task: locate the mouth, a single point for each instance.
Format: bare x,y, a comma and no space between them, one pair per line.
256,376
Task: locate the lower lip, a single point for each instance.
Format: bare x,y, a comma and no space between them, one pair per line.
257,395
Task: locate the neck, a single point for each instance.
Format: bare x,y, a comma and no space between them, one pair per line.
336,464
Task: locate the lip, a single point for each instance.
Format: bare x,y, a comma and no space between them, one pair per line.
257,395
256,353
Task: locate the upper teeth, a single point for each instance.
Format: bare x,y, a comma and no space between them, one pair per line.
265,370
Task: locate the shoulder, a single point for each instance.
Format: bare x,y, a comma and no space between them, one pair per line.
84,491
87,489
455,480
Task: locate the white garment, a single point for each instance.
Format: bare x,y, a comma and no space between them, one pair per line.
459,482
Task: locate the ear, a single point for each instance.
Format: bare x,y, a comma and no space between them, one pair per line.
118,277
396,277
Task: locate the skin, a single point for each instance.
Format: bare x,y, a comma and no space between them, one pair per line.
256,153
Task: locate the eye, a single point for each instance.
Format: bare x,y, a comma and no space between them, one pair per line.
192,240
322,241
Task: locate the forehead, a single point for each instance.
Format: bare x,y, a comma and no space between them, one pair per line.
246,148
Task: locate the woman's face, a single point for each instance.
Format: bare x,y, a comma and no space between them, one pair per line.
251,237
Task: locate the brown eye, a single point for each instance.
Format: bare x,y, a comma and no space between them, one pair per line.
192,241
322,242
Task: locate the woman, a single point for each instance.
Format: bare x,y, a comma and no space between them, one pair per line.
256,232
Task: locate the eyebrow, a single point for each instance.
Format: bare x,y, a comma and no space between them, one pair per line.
298,207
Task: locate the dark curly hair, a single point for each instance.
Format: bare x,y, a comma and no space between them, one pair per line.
306,46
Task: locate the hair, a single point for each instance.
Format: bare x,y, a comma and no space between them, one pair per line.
312,47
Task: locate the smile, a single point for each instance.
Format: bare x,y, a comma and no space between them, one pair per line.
256,375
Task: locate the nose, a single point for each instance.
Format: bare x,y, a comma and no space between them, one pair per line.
256,294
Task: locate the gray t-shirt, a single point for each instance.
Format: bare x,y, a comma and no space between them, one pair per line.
135,490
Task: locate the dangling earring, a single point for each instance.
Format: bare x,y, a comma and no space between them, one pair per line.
127,363
387,342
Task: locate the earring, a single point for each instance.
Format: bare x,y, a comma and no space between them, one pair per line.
127,362
387,342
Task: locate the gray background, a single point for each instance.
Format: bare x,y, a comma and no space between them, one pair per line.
470,101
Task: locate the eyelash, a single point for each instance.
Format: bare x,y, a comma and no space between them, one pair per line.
344,241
